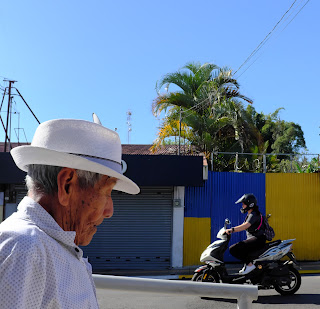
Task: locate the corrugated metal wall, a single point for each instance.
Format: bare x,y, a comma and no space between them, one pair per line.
293,200
226,188
198,202
216,200
197,237
197,223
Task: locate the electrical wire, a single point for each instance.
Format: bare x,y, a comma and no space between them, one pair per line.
296,15
195,108
201,104
263,42
265,39
278,34
2,87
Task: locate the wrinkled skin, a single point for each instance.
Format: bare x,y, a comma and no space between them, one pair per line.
76,209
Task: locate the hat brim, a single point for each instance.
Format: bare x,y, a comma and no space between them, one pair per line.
26,155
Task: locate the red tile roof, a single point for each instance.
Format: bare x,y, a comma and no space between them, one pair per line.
163,150
131,149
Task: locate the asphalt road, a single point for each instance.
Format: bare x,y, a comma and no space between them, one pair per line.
308,296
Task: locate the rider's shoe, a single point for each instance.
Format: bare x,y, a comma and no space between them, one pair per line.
246,269
242,269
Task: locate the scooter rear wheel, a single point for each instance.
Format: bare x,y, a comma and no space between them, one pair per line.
209,278
293,286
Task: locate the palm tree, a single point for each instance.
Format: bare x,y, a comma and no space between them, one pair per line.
208,102
201,131
199,84
191,81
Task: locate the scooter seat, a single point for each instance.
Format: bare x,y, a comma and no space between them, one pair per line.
272,243
267,246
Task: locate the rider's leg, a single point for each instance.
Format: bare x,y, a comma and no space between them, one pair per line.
238,250
251,245
243,250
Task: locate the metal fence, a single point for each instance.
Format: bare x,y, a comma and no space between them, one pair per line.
264,163
244,294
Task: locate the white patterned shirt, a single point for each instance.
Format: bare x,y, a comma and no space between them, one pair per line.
40,265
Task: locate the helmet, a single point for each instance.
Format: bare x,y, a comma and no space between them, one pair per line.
248,199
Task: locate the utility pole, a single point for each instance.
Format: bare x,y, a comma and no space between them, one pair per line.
6,126
179,131
8,113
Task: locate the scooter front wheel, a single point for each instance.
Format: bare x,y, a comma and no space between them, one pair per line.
204,276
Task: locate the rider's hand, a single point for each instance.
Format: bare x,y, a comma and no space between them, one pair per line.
228,231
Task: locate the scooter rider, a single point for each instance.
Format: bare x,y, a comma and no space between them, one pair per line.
254,227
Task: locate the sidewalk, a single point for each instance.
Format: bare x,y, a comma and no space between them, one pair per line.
187,272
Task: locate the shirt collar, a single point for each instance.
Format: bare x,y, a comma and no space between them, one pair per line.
34,212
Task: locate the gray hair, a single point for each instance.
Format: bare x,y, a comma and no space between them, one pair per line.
43,178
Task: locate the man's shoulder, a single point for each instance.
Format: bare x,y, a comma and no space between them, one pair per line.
21,237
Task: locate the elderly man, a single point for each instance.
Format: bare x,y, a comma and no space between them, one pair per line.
72,166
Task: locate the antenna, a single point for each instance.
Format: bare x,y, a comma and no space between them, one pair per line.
129,113
7,127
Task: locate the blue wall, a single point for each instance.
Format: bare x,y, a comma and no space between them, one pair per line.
216,200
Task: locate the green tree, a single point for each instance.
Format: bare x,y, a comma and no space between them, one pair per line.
197,85
282,136
206,109
208,101
273,135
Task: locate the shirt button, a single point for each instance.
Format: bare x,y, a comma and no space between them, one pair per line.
77,250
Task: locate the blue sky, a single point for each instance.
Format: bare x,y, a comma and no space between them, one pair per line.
72,58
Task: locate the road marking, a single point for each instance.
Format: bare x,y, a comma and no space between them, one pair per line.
185,276
309,271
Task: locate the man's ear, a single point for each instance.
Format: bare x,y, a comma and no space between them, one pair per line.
67,179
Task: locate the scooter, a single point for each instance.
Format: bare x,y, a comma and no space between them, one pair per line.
270,271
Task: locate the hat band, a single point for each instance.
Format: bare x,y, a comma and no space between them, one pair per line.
114,165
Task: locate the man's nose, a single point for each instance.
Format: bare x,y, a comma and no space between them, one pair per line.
108,210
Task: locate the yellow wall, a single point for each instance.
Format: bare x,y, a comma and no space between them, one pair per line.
293,200
197,236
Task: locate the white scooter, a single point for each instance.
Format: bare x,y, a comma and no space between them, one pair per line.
270,271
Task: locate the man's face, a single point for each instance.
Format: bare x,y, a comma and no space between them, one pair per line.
89,207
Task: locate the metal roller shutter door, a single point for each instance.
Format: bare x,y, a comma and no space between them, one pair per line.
21,191
10,208
138,236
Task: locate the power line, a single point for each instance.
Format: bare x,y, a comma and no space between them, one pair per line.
195,107
295,15
277,36
262,43
200,105
266,38
2,87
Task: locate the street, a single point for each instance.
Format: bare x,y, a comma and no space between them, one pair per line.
308,296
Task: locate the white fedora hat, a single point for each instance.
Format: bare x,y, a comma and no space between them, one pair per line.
77,144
